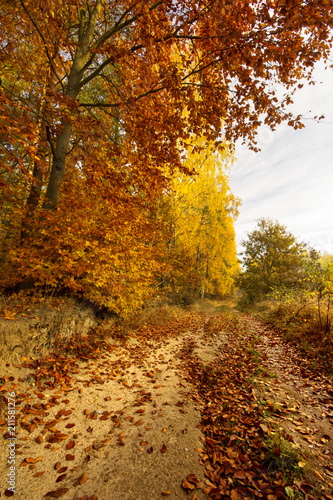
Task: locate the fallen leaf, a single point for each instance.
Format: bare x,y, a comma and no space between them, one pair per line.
234,495
83,478
57,493
192,478
61,478
187,485
164,448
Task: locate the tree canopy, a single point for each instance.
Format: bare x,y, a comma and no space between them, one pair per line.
100,100
272,257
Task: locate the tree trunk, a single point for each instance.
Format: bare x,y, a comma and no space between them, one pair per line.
58,167
82,55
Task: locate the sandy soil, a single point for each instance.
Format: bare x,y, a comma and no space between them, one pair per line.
125,427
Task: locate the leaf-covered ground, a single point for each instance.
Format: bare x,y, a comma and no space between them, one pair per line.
208,406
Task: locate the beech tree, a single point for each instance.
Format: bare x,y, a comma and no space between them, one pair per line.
230,52
272,257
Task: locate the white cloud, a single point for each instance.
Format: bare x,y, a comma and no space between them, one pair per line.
291,179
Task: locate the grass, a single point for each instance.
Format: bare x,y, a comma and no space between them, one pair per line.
283,456
298,321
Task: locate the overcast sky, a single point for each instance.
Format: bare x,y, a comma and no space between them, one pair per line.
291,179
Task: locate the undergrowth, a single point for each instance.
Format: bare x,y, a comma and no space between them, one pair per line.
298,321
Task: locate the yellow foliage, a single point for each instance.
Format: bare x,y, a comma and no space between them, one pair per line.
201,212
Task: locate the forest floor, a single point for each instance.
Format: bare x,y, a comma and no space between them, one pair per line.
209,405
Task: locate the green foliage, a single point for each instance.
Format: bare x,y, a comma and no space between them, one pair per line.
272,259
282,455
320,281
325,259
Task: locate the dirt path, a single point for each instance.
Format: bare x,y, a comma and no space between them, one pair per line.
305,397
124,426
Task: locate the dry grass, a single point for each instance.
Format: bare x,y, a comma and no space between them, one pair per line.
298,320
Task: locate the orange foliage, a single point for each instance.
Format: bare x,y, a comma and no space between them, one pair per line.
93,128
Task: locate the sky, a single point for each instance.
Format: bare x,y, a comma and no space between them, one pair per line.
291,179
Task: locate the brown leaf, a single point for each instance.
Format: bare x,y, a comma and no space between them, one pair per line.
192,478
164,448
62,470
165,493
318,476
39,474
187,486
57,466
70,445
83,478
150,450
234,495
70,457
61,478
264,428
57,493
239,475
39,439
9,493
53,439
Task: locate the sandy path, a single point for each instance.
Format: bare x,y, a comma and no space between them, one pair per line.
124,427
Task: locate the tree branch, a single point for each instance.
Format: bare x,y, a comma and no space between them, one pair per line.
43,40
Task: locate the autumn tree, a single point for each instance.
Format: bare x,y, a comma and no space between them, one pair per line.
231,53
272,258
201,212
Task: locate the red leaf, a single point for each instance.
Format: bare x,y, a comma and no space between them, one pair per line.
70,445
61,478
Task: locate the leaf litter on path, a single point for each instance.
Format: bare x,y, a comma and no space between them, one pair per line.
170,411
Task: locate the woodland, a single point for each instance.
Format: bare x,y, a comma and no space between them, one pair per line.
118,125
118,121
